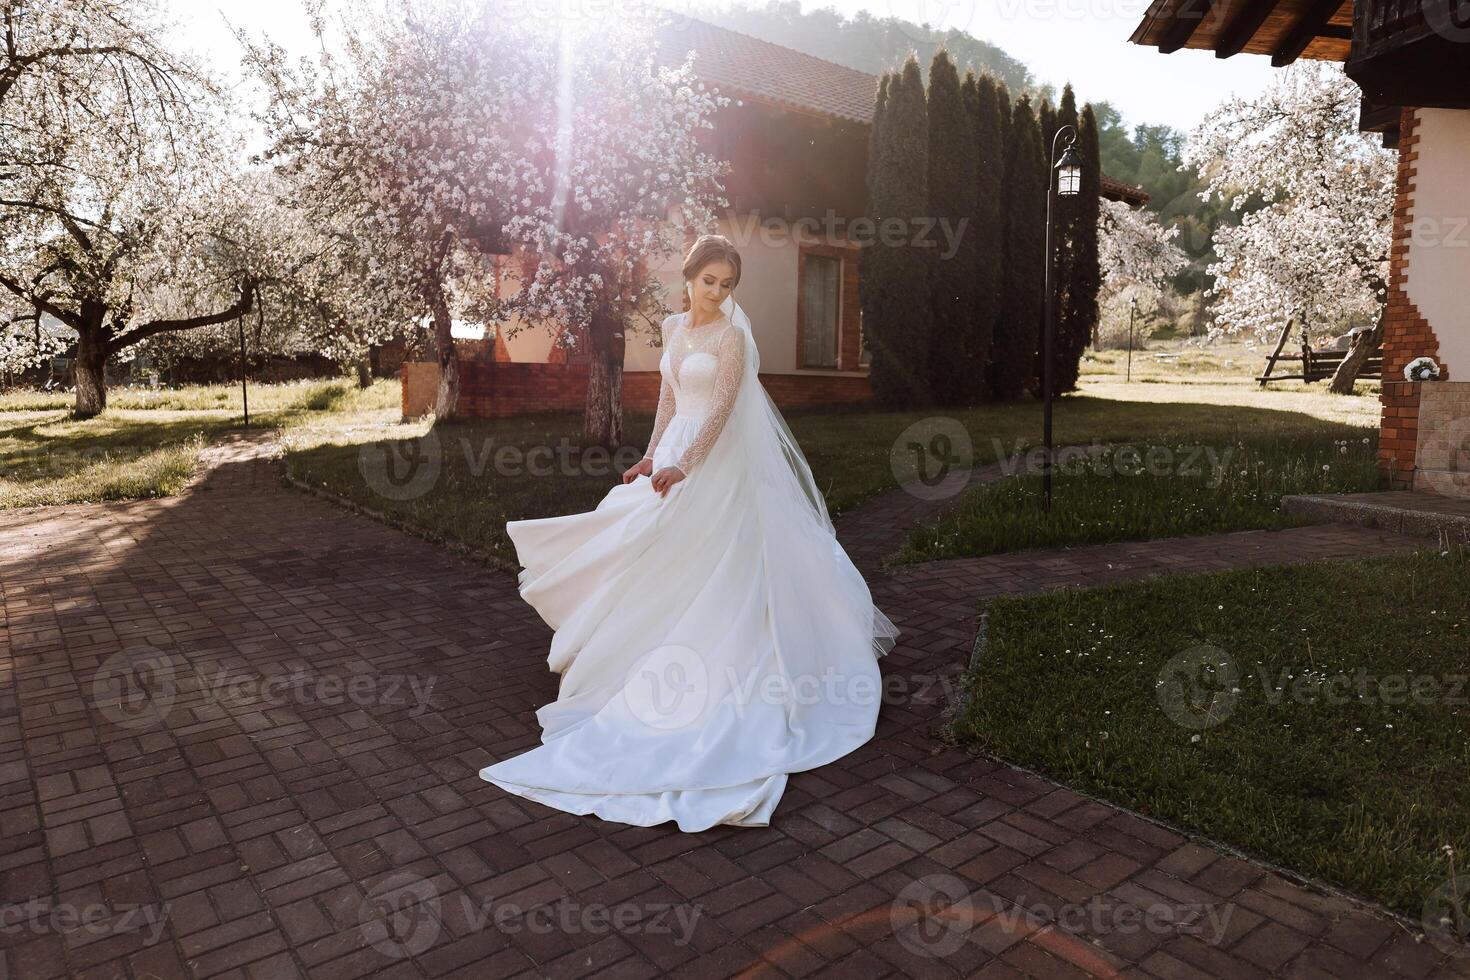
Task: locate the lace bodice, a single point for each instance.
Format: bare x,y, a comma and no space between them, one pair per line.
701,370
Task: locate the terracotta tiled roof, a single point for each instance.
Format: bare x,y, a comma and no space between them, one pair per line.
743,66
746,67
1115,190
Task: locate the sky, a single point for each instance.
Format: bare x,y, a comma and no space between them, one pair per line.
1085,42
1081,41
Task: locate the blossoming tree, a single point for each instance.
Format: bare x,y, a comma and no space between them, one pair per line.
119,212
1318,250
405,146
452,135
1137,254
318,289
623,182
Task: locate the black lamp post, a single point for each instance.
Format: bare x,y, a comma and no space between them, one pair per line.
1132,315
1064,179
244,392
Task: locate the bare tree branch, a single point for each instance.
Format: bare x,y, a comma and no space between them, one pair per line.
239,308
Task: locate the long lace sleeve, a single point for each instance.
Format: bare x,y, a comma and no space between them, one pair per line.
665,401
730,367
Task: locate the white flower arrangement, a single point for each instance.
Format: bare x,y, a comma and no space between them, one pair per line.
1421,369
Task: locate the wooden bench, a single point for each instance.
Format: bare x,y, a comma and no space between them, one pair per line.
1317,365
1320,365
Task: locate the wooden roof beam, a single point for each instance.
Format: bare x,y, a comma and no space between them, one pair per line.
1184,23
1305,31
1243,26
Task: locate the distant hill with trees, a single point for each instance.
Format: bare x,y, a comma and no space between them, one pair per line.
867,43
1149,156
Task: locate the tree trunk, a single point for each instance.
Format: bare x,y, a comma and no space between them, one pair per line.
89,368
602,423
364,371
1368,342
446,402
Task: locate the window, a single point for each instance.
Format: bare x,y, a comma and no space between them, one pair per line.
820,276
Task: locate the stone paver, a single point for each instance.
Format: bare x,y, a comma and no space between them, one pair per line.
333,823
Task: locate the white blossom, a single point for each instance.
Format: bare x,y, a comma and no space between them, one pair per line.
1317,248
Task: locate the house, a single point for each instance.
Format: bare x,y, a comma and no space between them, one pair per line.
1411,61
797,141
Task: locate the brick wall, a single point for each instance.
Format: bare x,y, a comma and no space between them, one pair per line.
801,390
1406,334
497,389
419,378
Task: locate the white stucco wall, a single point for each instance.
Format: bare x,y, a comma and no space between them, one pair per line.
767,292
531,344
1438,279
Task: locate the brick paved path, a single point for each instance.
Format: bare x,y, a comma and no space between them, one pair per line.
219,832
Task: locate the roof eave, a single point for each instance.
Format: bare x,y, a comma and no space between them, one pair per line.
1283,29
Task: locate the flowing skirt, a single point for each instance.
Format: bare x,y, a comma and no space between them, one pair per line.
708,646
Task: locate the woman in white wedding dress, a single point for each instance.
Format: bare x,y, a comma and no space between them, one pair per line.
711,634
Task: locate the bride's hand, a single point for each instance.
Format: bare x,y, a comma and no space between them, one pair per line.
665,478
641,468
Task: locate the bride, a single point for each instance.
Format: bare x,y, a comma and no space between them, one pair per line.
711,634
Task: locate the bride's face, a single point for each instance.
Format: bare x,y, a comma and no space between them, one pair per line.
710,286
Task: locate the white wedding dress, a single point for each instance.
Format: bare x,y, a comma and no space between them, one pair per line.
709,642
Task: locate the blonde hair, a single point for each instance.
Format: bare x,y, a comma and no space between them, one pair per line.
707,249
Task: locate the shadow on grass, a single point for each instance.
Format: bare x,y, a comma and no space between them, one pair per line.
462,480
147,442
855,456
489,471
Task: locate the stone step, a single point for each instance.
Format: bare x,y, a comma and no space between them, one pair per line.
1446,483
1415,512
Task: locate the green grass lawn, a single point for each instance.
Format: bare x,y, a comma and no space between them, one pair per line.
485,472
851,452
1154,488
1363,786
1230,362
143,445
147,443
268,401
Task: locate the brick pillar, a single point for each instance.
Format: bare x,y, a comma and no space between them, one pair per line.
1406,334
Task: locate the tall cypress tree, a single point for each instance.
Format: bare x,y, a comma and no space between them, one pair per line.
1014,349
982,101
1046,118
900,331
870,258
1007,111
952,190
1078,313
